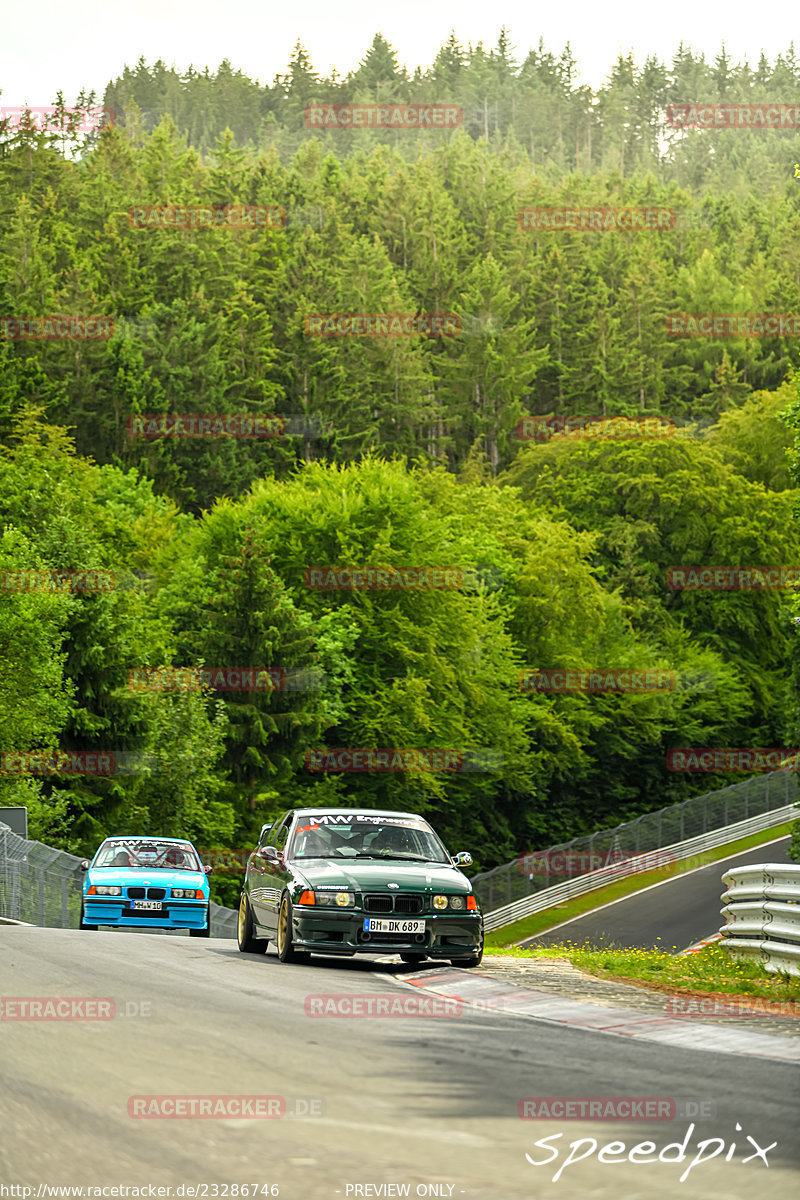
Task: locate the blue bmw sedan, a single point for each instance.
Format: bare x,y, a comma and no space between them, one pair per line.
145,881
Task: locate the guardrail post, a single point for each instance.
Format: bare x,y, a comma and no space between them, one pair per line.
41,895
65,902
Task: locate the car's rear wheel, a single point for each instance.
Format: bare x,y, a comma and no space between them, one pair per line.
248,944
286,950
414,958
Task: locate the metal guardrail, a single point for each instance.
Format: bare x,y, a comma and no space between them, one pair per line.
548,897
530,873
43,886
762,915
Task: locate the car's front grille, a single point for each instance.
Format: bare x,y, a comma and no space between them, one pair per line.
405,902
153,893
156,893
135,893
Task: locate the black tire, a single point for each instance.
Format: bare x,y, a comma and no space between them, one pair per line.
286,950
244,930
82,924
413,958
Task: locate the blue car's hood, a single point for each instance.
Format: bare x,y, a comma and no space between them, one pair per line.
127,877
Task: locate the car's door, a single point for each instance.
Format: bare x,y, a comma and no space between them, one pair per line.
271,866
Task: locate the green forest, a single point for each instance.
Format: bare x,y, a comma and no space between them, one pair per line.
393,452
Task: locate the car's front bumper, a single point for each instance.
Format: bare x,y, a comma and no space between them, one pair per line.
117,910
339,932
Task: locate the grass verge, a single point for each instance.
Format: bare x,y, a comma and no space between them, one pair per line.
540,922
712,970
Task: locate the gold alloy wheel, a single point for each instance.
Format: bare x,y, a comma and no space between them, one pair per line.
283,927
240,924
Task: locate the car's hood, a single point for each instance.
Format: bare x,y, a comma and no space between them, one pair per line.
128,877
365,875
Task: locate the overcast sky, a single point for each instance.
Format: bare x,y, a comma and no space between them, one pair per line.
69,44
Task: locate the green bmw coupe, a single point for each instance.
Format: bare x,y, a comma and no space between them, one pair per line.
343,881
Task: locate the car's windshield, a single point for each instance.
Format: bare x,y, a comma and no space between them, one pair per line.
148,855
364,835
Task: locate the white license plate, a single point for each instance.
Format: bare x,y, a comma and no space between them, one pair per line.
152,904
382,925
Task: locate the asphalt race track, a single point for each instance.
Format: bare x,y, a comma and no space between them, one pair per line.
411,1102
671,916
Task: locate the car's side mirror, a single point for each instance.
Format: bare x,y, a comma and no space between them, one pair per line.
463,858
85,865
268,853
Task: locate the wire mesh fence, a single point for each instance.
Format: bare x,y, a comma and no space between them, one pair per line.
43,886
538,869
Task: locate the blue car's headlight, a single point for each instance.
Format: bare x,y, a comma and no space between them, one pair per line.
101,890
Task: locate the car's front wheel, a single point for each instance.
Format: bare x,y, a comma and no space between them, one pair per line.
413,958
286,950
474,960
248,944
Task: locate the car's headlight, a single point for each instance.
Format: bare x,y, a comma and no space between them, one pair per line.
458,902
335,899
101,890
187,894
440,901
454,902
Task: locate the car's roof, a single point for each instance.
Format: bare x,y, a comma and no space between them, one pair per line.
144,837
373,812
